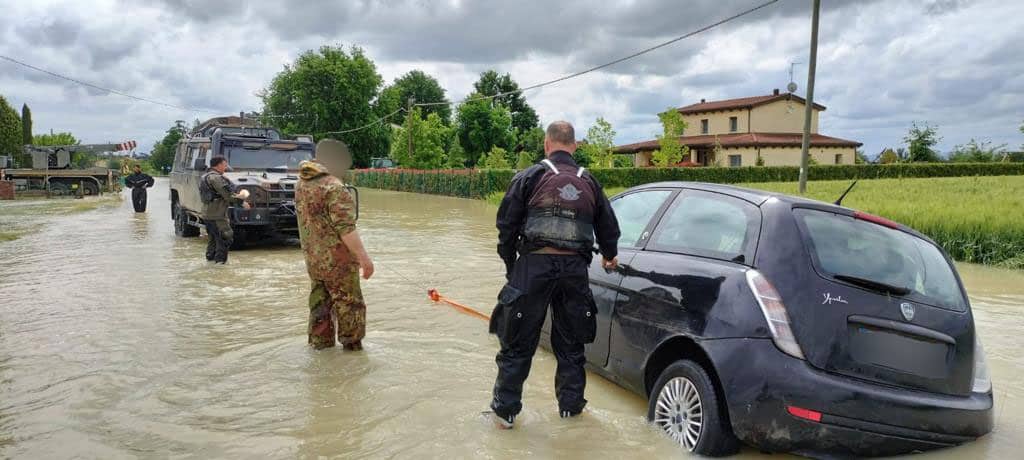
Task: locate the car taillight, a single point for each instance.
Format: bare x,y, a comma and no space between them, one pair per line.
875,219
982,380
805,414
775,313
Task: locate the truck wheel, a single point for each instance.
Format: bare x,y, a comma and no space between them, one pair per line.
181,225
90,189
59,188
684,405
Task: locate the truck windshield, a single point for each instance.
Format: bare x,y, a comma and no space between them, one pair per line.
882,259
266,158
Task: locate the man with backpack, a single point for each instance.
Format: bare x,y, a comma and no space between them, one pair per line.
217,194
547,225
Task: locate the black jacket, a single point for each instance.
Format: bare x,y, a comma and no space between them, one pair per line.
512,213
139,180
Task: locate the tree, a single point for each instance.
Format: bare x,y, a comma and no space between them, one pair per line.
600,145
496,159
429,137
624,161
55,139
582,158
671,150
11,133
331,90
921,141
524,118
532,142
26,124
483,126
456,156
524,160
978,152
859,157
887,156
420,86
161,158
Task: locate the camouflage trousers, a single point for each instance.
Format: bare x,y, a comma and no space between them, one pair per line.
336,309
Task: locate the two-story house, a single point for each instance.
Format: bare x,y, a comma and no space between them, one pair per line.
745,129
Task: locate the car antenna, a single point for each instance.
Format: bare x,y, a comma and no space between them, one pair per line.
839,202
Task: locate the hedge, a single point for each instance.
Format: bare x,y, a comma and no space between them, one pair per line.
469,183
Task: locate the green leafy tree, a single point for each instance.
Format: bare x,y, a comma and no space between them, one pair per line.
55,139
624,161
524,118
888,156
483,126
859,157
11,134
671,150
331,90
524,160
497,158
455,158
26,124
161,158
582,158
532,141
429,137
921,142
600,145
420,86
978,152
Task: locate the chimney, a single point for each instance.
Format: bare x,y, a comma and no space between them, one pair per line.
775,92
702,101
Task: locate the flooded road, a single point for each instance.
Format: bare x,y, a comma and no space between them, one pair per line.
118,340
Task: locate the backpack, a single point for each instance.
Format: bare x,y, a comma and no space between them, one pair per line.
206,193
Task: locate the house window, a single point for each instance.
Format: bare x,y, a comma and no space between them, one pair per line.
839,158
735,161
704,126
734,124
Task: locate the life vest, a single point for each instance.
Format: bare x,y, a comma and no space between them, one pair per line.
560,211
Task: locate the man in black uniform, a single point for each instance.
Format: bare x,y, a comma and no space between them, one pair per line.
549,218
139,182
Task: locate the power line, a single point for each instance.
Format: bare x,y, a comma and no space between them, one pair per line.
106,90
372,123
617,61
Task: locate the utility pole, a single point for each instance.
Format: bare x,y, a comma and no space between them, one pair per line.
408,124
809,106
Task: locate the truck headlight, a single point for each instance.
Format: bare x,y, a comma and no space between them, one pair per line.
982,380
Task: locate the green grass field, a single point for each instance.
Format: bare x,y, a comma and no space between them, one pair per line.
976,219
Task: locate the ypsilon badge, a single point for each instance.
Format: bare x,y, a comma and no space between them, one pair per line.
908,310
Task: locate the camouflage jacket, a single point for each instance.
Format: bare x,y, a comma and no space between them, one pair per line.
222,190
326,212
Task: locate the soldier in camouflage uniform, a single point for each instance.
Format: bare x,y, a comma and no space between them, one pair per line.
219,194
334,254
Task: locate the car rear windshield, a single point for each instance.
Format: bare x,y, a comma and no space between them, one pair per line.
266,158
872,255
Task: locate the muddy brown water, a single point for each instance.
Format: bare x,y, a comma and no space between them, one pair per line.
117,340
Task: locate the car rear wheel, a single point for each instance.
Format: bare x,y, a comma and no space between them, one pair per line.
181,225
90,189
684,405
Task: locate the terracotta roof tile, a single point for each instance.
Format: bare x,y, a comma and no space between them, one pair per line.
742,103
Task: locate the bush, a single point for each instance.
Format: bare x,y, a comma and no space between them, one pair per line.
478,184
623,161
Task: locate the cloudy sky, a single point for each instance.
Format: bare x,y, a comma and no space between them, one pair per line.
958,64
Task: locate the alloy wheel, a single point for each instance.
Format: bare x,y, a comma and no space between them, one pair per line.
680,413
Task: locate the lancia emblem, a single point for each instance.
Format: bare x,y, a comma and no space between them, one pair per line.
908,311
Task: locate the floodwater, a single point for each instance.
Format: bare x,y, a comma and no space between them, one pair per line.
118,340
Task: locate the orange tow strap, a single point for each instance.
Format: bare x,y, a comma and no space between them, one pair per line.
437,297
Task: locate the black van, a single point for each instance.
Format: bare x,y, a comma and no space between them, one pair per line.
788,324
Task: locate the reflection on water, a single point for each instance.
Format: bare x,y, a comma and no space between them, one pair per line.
118,340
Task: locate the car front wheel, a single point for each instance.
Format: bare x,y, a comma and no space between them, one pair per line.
684,405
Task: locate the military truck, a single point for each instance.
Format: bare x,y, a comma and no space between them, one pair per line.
53,172
262,161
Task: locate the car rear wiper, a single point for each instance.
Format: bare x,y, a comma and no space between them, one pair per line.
872,284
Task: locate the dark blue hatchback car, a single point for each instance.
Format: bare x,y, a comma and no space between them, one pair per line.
788,324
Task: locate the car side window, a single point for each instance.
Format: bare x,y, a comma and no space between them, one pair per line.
634,212
709,224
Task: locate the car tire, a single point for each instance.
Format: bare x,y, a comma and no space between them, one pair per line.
90,189
181,225
684,405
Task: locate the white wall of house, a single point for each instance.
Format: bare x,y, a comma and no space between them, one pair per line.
718,122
